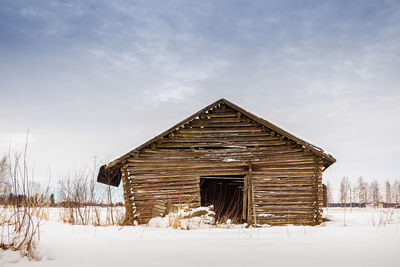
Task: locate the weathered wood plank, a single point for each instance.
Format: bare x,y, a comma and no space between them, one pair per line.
250,129
232,144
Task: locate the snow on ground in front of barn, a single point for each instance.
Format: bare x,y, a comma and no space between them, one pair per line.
359,237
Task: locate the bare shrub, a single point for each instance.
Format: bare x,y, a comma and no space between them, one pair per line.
77,197
82,199
20,219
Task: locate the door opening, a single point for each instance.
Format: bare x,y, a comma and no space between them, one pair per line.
225,193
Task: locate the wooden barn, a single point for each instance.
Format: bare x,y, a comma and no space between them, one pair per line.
249,169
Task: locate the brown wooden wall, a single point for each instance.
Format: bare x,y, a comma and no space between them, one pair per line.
286,179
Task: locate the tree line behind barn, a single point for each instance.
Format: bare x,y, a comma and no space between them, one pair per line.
363,194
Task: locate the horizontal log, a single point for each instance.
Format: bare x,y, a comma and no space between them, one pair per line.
165,192
272,163
164,182
284,210
279,190
278,198
222,108
209,124
197,171
270,177
223,151
271,180
283,202
217,135
149,186
221,111
259,166
273,184
188,168
160,176
222,139
309,212
278,173
284,194
282,217
171,197
221,115
219,119
266,153
221,144
250,129
167,188
192,201
272,160
154,177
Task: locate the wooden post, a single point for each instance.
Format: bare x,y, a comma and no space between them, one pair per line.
252,196
248,198
245,190
251,212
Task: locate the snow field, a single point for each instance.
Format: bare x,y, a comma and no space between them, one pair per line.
360,237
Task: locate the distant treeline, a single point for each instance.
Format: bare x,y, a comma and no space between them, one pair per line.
21,200
363,194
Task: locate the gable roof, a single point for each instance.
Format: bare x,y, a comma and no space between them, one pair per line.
328,159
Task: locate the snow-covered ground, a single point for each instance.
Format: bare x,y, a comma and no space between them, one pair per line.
359,237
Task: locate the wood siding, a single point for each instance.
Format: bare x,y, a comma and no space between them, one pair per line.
285,178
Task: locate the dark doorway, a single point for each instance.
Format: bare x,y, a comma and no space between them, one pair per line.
225,193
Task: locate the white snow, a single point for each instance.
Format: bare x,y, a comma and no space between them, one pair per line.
186,220
357,237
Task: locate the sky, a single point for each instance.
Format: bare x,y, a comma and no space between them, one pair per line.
94,79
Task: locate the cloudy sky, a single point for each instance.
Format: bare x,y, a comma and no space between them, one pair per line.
97,78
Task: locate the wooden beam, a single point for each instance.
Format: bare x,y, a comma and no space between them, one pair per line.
245,190
252,196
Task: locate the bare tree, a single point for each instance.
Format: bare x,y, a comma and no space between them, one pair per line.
3,166
329,194
396,192
4,183
361,191
375,193
388,193
353,194
365,194
344,191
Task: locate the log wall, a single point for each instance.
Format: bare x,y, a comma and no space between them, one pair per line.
285,178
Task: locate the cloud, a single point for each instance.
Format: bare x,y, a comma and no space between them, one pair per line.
326,71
